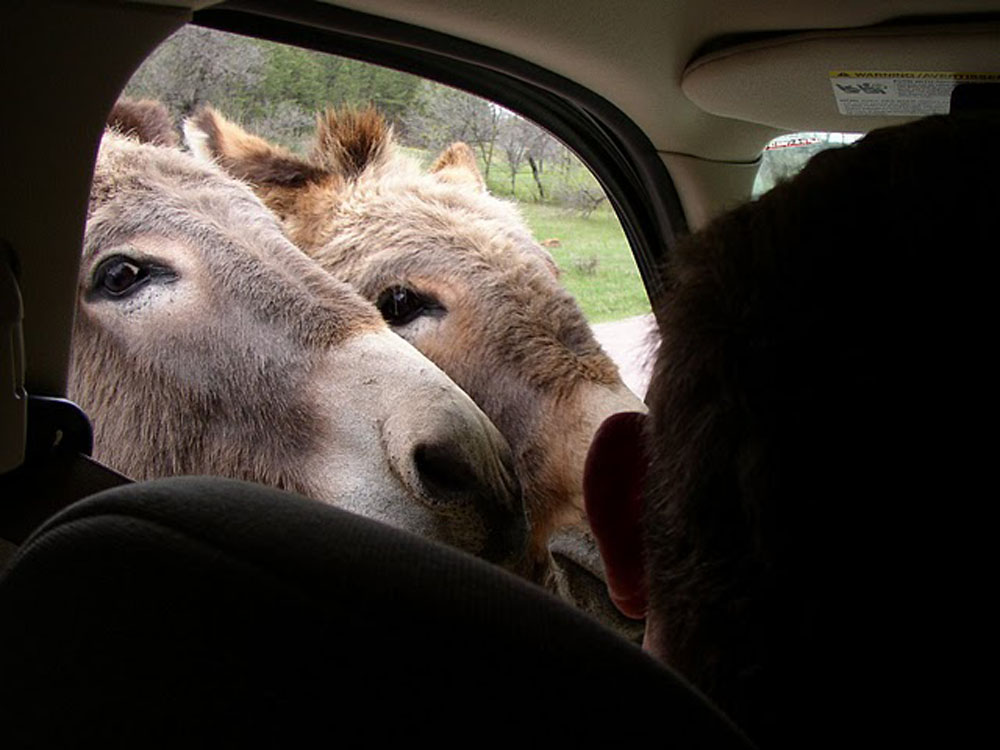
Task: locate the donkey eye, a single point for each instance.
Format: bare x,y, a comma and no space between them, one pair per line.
119,276
400,305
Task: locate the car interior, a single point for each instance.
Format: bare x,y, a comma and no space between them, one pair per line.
201,610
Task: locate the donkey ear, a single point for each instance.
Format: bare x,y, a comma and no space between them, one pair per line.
349,142
213,138
143,119
457,164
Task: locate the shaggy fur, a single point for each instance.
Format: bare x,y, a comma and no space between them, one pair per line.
142,189
503,327
819,355
236,355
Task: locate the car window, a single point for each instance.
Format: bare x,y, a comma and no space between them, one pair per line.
275,91
480,239
784,156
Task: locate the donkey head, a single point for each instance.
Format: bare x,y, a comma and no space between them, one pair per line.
454,271
206,343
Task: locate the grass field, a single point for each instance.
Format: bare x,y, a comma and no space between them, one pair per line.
595,260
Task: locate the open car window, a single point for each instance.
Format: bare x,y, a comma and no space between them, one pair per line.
379,292
276,91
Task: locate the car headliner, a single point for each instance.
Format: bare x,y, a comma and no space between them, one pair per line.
635,52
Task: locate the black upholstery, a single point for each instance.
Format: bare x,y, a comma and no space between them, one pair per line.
209,612
39,489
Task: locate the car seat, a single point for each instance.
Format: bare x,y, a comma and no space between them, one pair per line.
209,611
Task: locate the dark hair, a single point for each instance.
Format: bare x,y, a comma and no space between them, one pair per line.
808,415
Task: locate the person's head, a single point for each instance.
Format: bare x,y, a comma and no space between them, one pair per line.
809,421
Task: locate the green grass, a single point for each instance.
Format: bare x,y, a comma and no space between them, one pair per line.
557,181
595,259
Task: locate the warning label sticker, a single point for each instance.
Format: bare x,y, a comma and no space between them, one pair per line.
899,93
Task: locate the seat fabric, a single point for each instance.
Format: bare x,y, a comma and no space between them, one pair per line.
206,611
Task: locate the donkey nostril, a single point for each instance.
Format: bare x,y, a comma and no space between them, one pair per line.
462,474
443,469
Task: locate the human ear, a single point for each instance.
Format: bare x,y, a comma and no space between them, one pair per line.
612,491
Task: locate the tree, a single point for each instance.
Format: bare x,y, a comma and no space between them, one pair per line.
521,140
294,76
540,148
441,115
197,66
275,89
358,84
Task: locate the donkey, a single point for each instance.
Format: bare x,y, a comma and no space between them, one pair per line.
206,343
456,273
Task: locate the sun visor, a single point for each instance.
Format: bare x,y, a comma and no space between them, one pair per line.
844,81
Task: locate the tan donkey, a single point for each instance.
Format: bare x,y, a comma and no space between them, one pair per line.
456,273
207,343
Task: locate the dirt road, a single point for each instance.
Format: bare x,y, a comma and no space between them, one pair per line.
631,344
